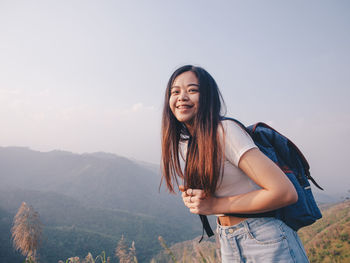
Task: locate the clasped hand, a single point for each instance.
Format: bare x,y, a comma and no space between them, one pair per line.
197,201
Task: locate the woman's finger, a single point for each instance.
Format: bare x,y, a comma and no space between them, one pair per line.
193,210
194,200
189,191
182,188
190,201
196,192
187,200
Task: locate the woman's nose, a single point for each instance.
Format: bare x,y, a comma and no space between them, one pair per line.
183,96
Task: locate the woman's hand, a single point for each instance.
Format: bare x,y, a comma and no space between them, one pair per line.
197,201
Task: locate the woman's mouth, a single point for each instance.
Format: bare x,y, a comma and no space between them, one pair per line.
184,107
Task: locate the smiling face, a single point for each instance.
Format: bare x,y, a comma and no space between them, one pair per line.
184,97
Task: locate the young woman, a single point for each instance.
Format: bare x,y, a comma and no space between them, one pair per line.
223,172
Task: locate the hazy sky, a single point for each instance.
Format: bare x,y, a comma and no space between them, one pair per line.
86,76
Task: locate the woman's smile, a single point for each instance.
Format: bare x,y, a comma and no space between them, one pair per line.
184,107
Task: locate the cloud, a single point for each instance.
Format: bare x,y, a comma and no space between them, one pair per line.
136,107
23,101
43,124
139,107
9,92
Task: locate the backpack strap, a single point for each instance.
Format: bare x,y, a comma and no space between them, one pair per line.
206,227
308,176
236,121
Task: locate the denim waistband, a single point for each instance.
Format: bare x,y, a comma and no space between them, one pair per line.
242,227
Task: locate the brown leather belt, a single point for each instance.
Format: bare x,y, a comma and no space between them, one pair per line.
229,220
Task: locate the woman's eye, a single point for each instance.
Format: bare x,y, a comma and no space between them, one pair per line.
174,92
193,90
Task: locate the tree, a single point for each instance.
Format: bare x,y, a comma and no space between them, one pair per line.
27,232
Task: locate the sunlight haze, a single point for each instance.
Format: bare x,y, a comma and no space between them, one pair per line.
89,76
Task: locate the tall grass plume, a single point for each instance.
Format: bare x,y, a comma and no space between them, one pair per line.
125,254
27,232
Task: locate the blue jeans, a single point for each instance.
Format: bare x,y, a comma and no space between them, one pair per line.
260,240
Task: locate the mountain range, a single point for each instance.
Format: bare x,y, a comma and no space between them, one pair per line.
87,202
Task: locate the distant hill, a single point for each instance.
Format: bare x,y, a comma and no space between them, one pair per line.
327,240
98,179
87,201
323,198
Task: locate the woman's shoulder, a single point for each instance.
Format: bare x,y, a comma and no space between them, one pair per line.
236,140
234,133
229,126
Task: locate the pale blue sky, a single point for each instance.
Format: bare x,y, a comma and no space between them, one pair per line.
87,76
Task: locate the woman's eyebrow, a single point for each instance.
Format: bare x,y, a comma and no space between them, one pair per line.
188,85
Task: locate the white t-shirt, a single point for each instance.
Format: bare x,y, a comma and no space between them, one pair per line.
237,142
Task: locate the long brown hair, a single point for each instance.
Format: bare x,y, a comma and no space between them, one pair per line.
205,152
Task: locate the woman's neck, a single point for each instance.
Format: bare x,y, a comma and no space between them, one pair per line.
190,128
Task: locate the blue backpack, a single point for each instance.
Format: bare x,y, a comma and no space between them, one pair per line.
292,162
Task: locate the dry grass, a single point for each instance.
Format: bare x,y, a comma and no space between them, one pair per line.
124,254
189,252
88,259
167,249
27,232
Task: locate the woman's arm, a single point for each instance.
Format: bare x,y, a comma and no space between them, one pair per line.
277,191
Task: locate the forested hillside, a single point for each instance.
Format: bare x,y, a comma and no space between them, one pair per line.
87,202
328,240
